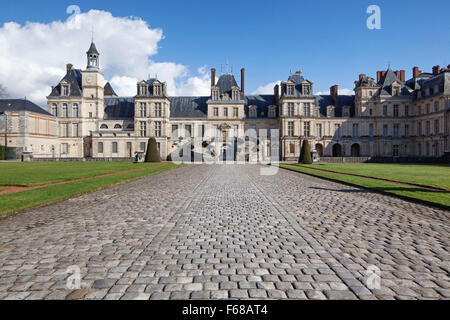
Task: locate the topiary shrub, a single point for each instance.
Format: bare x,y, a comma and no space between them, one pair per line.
152,154
305,153
2,153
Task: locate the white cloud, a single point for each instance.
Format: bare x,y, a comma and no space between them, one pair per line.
343,91
33,56
267,89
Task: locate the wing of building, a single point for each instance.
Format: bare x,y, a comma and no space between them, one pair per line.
386,117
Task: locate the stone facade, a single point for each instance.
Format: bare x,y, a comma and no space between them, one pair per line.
389,116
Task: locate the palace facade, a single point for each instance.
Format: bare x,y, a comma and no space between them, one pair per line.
389,116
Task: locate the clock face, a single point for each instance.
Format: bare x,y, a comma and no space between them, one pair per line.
89,79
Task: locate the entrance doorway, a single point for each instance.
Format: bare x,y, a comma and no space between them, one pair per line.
337,150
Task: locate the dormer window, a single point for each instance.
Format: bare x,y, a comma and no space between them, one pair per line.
272,112
215,94
306,89
157,90
346,112
65,90
395,91
236,95
330,111
252,112
290,89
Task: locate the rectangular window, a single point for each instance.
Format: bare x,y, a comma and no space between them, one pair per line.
142,146
319,130
396,111
396,130
436,127
64,148
175,132
337,130
436,106
406,111
100,147
419,129
143,110
290,90
406,130
385,130
90,114
216,112
428,129
306,129
307,109
75,130
371,130
225,112
115,147
201,130
142,128
188,130
236,131
235,112
65,90
158,110
65,111
355,130
395,150
291,128
385,111
290,110
64,130
158,129
428,108
75,111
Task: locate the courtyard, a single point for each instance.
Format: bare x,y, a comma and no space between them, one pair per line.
227,232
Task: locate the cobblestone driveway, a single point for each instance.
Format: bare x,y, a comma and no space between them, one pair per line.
218,232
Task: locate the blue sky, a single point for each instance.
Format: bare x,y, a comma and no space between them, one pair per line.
327,40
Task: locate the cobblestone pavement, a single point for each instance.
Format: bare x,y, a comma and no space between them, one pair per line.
226,232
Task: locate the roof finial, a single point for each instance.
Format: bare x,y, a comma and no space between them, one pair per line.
92,40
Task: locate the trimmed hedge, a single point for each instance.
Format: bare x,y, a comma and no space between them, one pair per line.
2,153
305,153
152,154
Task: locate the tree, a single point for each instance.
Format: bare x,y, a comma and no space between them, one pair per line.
152,154
305,153
2,91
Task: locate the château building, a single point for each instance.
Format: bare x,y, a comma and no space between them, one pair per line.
389,116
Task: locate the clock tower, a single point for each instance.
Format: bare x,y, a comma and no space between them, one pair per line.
93,84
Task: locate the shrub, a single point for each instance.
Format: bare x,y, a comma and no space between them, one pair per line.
305,153
152,154
2,153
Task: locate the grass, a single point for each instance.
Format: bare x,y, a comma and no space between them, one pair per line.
10,203
28,174
437,176
416,175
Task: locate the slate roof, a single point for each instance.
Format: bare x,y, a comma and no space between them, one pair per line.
73,77
93,49
323,101
119,108
109,91
188,107
298,80
21,105
262,103
226,82
442,81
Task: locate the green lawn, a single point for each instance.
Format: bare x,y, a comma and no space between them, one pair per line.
402,173
14,202
425,175
27,174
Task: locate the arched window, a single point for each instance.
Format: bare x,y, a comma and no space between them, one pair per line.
117,126
65,110
75,110
103,126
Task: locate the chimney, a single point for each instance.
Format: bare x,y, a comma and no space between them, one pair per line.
276,93
213,77
378,76
402,75
361,76
436,70
383,73
243,81
69,67
448,67
334,93
416,72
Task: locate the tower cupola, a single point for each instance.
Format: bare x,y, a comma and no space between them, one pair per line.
93,58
